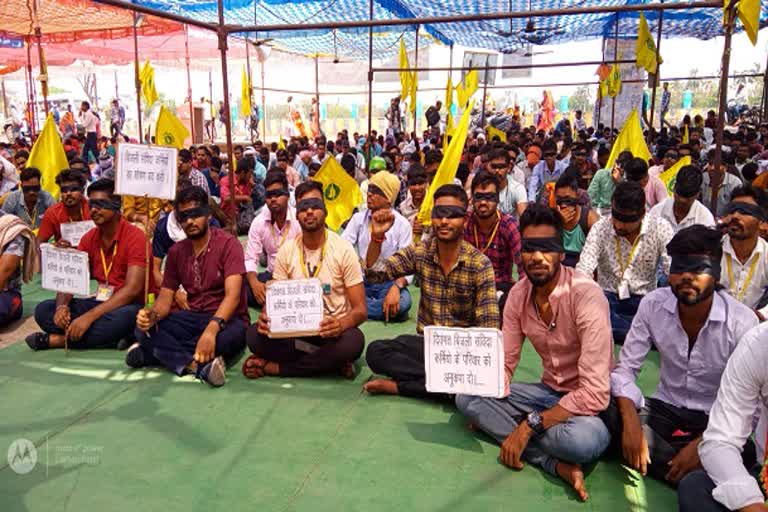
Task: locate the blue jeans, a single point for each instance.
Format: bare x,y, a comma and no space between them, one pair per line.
105,332
374,298
694,494
622,313
579,440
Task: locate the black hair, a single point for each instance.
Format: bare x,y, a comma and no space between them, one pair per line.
306,187
697,239
185,155
273,177
567,180
636,169
484,178
417,171
204,150
537,214
548,146
499,154
745,191
624,157
103,185
21,152
247,163
603,150
348,163
749,171
688,178
629,196
70,175
452,190
30,173
433,156
189,194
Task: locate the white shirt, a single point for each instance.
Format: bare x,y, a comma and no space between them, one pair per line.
358,234
735,280
599,253
743,389
89,121
698,214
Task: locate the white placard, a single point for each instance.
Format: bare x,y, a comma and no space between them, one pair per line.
294,307
146,171
464,361
72,232
65,270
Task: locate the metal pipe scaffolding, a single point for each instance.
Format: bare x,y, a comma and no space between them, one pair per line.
370,77
227,110
657,75
503,67
137,82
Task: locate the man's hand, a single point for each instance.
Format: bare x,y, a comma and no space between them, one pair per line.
63,244
262,324
616,174
330,327
568,213
634,446
755,507
418,227
62,317
145,319
180,297
514,445
79,327
260,292
392,302
381,222
684,462
205,350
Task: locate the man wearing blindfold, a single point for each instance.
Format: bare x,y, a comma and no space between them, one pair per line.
209,265
577,218
274,226
683,210
316,253
626,250
30,202
546,171
116,259
552,424
457,290
409,208
745,253
695,325
717,186
512,197
73,207
604,183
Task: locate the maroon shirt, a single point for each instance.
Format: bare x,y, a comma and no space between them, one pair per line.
503,250
204,279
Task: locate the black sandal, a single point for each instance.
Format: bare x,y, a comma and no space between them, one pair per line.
38,341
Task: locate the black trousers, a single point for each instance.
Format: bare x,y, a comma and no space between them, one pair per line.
668,429
329,355
402,360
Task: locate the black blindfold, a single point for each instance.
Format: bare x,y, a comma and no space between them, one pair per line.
695,264
448,212
311,203
542,244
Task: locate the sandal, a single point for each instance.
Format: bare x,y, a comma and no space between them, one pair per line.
254,367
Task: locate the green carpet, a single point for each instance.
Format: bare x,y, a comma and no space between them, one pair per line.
112,439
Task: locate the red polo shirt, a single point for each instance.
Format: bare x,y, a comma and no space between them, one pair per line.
57,215
127,250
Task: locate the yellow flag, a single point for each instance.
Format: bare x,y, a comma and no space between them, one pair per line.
630,139
465,89
245,94
280,143
147,79
412,100
749,14
341,193
614,81
48,155
686,138
645,48
449,129
169,131
405,76
448,95
669,176
495,132
446,172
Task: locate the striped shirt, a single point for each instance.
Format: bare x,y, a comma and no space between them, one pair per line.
503,250
466,297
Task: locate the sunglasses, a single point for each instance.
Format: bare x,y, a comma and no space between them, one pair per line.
276,193
550,155
70,188
192,213
31,188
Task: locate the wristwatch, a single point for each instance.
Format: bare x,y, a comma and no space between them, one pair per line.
536,422
220,321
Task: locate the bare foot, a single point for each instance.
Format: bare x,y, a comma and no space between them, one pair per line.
381,387
573,474
254,367
348,371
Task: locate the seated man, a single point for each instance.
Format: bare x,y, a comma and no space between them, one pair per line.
655,192
409,208
726,483
552,424
316,253
30,202
116,259
209,265
73,207
695,325
493,233
512,195
577,218
625,249
390,300
18,250
683,210
141,211
457,290
274,225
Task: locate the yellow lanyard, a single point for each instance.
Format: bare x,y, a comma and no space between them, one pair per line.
739,294
493,233
624,264
107,269
286,229
305,266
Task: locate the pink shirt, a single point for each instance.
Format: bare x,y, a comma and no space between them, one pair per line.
264,236
576,349
655,192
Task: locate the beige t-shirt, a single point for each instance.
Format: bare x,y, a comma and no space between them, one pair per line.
340,269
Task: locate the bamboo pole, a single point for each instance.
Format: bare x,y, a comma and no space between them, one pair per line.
189,83
657,76
228,115
137,83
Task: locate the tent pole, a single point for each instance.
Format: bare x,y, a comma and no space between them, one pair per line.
657,75
764,114
263,105
212,111
316,108
250,94
117,93
615,63
416,79
136,74
5,98
370,77
228,112
31,106
189,84
485,93
723,93
42,64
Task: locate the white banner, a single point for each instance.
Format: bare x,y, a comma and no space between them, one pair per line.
146,171
65,270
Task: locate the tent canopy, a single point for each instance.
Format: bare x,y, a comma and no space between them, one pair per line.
498,35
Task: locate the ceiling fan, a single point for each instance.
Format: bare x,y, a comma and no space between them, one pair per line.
525,51
530,33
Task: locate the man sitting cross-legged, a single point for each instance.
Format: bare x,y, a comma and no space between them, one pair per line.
695,325
457,290
316,253
72,207
116,259
209,264
552,424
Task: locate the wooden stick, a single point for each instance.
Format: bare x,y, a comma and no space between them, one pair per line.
146,254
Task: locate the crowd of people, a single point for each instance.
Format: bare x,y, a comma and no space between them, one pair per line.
536,236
